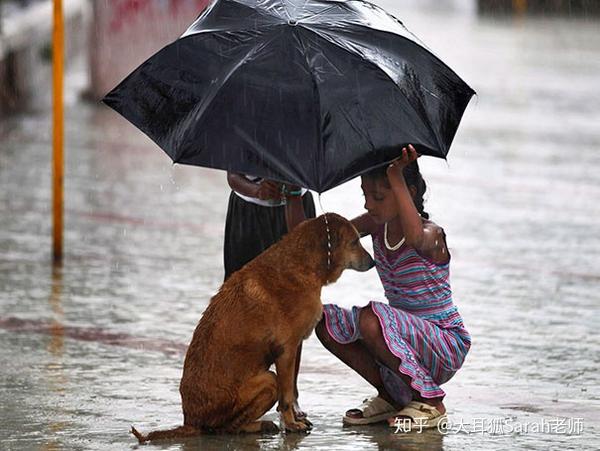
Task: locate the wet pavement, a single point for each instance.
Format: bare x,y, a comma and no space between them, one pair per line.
97,345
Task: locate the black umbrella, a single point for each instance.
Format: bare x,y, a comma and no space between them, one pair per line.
309,92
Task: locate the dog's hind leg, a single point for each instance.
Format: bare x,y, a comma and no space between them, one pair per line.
255,398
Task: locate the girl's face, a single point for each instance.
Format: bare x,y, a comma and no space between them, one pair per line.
380,201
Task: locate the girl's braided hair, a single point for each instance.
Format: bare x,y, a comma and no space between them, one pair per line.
412,176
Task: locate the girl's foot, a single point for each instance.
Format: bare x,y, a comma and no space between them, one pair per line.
372,410
418,415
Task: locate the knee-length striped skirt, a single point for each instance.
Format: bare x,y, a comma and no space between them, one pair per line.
429,353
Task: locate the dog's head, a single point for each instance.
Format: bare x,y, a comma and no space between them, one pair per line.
337,243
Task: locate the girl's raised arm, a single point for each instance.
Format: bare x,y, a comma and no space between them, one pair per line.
426,237
364,224
411,221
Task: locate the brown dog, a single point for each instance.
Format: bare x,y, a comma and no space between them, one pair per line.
259,317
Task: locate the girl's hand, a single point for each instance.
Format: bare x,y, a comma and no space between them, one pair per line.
268,190
394,170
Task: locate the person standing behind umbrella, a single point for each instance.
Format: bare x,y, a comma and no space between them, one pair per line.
260,212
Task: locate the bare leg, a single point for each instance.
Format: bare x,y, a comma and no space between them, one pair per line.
357,357
372,337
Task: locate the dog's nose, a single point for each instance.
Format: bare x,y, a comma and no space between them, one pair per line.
366,263
371,263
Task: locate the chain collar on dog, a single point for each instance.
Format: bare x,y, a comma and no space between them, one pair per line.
328,234
328,242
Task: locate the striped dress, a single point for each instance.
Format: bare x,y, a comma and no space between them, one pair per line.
420,324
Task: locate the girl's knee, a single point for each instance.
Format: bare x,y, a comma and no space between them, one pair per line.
368,325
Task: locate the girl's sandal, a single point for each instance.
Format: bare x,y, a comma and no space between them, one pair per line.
418,416
373,410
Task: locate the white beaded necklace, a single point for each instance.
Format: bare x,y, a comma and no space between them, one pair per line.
387,243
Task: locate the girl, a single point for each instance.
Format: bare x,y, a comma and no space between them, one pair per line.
410,346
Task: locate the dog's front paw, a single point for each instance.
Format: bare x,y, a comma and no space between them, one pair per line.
299,414
307,422
298,426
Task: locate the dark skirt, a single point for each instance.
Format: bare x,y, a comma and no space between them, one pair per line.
251,228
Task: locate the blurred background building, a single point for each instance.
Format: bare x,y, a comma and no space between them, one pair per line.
104,35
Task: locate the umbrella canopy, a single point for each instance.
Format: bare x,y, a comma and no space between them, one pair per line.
309,92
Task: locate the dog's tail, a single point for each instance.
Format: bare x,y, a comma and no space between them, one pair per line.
179,432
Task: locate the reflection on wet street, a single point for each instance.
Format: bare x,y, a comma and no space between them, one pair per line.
96,345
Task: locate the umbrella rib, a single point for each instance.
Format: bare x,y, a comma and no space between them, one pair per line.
395,19
420,43
206,102
427,50
191,31
328,39
200,17
326,10
261,152
318,101
287,13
